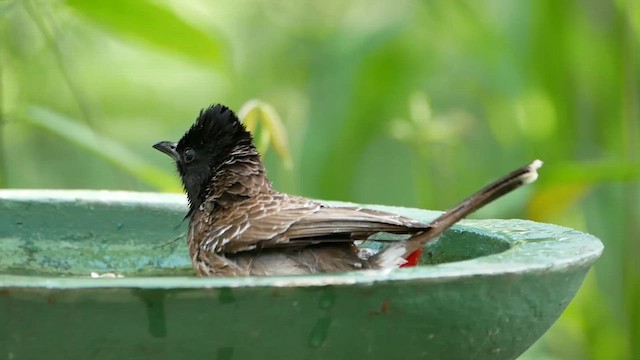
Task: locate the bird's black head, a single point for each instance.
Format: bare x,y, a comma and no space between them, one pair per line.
208,144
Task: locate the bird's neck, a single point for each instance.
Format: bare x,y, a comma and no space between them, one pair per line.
240,177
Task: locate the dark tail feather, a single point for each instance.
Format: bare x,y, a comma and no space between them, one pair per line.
394,255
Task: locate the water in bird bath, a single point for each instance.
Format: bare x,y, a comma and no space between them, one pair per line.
93,255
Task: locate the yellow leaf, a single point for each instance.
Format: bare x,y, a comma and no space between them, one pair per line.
272,133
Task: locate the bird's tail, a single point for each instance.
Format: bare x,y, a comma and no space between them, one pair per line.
407,252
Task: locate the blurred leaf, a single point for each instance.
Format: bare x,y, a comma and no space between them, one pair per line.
536,115
273,132
153,24
596,172
106,148
553,201
562,186
424,128
5,6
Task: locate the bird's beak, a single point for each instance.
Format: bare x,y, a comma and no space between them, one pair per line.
168,148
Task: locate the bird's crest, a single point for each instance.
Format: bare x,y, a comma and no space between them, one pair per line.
216,125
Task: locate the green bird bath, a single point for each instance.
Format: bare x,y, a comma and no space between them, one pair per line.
106,275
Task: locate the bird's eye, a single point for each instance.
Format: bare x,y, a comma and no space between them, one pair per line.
189,155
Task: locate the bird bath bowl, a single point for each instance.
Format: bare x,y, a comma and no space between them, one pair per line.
488,289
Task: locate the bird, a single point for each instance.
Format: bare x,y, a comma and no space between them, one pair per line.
239,225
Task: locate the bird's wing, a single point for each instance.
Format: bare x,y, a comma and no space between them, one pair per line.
280,220
349,223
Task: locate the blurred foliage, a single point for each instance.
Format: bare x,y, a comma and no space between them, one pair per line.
395,102
271,131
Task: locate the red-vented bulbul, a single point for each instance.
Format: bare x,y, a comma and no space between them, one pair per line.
239,225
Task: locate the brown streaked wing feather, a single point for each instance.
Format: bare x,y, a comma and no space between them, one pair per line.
258,221
276,220
349,221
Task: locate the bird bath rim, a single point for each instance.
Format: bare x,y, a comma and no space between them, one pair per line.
533,248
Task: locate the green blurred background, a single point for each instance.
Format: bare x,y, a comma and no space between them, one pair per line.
393,102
